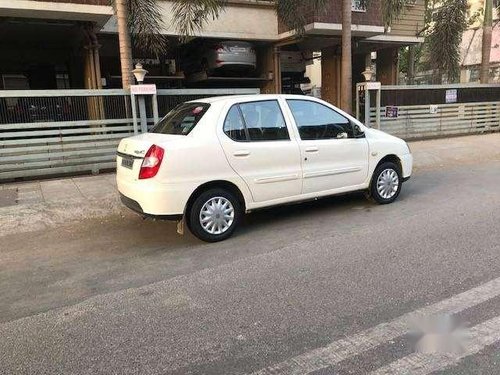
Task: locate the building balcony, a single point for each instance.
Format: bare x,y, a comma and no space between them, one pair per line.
365,21
98,11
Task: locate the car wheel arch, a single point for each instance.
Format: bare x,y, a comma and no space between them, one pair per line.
221,184
390,158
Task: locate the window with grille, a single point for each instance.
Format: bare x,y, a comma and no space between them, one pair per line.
359,5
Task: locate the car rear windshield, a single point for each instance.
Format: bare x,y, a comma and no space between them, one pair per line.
182,119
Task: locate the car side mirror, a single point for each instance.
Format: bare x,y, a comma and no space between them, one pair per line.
358,133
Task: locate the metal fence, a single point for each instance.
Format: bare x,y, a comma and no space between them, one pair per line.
417,112
436,94
422,121
56,132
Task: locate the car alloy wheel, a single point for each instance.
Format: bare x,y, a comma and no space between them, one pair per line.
388,183
217,215
214,215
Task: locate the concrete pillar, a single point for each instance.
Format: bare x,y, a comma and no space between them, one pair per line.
88,61
92,73
92,70
387,66
268,59
330,76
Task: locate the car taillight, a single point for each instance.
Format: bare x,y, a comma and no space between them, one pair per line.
151,163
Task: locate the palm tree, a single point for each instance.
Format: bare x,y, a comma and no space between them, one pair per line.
346,64
391,11
121,10
486,49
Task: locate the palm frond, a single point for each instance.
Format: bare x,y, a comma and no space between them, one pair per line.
145,25
295,13
192,15
392,10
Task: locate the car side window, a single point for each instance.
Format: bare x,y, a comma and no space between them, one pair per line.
317,121
234,126
264,121
256,122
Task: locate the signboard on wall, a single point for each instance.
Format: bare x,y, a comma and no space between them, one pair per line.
373,85
451,96
391,112
143,89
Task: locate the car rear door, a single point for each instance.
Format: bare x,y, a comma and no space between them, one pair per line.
261,149
333,158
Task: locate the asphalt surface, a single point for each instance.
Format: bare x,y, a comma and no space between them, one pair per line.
120,295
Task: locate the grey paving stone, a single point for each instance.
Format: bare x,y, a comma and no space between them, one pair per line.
56,190
8,197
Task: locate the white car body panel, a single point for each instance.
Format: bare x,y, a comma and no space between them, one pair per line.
250,160
266,173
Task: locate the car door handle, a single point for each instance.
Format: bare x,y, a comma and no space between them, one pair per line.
241,153
312,149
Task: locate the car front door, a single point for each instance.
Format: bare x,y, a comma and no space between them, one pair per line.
261,150
333,157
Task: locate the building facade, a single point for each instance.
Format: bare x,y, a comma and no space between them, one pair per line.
471,46
73,43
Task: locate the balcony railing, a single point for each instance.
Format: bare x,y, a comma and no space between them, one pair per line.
86,2
370,16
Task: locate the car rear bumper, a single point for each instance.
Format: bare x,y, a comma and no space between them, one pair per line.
136,207
151,199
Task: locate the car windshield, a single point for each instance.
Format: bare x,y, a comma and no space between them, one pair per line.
182,119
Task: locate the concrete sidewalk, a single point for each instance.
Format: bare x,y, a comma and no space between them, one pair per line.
32,206
57,190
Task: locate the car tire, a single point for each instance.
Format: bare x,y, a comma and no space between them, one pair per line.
386,183
214,215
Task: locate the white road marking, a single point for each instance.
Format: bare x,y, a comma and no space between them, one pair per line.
358,343
479,337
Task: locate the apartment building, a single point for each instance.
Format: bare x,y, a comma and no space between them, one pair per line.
48,44
471,47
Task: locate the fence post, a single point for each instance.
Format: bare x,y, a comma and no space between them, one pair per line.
379,99
155,108
134,113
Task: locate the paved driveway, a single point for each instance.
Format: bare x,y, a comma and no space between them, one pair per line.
329,287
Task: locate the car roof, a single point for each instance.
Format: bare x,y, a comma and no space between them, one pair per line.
252,97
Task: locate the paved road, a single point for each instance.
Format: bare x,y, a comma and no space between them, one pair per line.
329,287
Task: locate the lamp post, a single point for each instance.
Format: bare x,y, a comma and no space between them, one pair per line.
139,74
367,87
368,74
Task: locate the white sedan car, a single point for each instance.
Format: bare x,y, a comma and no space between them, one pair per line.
211,160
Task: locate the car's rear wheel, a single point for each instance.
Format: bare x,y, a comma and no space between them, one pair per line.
214,215
386,183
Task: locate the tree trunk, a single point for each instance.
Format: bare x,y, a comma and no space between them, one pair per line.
411,65
346,69
124,42
486,50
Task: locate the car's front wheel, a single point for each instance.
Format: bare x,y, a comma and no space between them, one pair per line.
386,183
214,215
